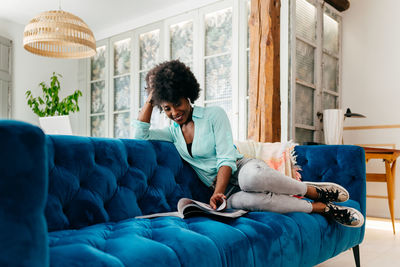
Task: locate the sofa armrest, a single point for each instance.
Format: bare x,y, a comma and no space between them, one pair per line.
23,192
342,164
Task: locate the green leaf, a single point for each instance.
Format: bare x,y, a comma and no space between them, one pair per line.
49,104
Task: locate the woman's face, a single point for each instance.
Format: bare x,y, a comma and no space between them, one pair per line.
179,112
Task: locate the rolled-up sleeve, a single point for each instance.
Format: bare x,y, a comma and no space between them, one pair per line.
226,153
141,130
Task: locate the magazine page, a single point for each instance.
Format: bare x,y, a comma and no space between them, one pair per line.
189,207
162,214
183,202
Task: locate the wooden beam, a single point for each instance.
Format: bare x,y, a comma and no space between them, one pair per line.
340,5
265,108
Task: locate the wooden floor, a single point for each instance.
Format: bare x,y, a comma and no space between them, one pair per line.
380,248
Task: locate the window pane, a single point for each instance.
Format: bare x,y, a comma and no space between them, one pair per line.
97,126
97,104
330,73
218,32
218,77
122,54
330,101
182,41
304,135
98,64
122,93
225,104
190,65
304,105
306,22
121,125
304,62
331,34
149,49
158,119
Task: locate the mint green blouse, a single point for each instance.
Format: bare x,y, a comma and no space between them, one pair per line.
212,145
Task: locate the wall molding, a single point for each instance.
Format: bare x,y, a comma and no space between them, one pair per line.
370,127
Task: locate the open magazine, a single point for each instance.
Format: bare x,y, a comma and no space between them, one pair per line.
189,208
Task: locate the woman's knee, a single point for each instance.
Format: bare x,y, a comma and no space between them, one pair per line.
252,176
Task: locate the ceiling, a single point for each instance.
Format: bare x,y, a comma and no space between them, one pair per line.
98,14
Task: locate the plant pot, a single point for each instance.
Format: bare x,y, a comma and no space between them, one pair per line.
56,125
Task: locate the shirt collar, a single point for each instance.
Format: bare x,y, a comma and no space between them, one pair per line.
198,112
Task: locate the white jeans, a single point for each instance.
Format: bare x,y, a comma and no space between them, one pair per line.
265,189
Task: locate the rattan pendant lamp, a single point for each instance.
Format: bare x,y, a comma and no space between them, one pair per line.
59,34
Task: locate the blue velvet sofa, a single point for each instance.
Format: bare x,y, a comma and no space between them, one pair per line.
72,201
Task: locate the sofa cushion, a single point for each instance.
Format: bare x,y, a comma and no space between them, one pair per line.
97,180
257,239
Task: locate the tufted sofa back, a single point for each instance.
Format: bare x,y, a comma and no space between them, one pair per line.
96,180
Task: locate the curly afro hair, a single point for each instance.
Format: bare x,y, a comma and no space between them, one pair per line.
171,81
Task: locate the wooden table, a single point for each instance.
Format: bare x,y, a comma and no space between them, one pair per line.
389,156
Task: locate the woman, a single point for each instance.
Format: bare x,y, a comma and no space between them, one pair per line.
203,138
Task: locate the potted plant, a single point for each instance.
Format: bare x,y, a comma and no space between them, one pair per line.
53,112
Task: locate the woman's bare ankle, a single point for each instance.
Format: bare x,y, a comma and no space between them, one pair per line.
311,192
318,207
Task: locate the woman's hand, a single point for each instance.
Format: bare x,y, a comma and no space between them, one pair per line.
223,176
150,97
147,109
216,200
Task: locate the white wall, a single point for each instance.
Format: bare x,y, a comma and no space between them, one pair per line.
29,70
157,15
371,73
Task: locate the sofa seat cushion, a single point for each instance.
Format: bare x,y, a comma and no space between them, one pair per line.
263,238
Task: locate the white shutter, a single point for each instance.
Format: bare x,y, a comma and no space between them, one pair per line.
5,77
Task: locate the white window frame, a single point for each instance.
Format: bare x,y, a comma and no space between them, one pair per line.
111,92
6,46
105,42
136,63
234,57
242,69
193,16
238,68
